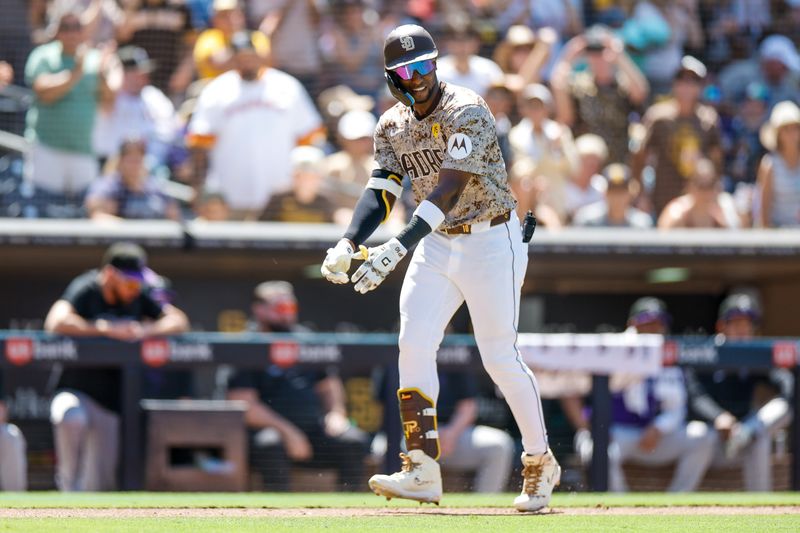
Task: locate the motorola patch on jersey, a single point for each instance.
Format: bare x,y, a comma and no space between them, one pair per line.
459,146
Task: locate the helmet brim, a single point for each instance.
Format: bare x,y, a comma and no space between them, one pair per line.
412,59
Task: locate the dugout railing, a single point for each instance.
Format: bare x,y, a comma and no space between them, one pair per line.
355,354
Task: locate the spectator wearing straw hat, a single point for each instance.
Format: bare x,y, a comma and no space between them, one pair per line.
779,172
523,53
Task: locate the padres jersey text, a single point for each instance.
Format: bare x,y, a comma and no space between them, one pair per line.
460,135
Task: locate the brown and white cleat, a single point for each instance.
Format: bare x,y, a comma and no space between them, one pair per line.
419,479
541,474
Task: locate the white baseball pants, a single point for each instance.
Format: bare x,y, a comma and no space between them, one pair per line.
87,443
690,447
486,269
13,461
756,458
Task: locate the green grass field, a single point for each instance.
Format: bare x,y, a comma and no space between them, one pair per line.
163,512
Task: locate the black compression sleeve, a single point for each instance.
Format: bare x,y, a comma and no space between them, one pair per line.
413,233
367,216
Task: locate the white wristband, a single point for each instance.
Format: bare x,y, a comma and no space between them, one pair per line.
431,214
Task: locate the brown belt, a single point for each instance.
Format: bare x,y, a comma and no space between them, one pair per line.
465,229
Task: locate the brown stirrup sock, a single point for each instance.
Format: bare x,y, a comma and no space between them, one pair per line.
419,421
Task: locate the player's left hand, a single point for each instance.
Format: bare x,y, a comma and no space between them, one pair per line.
379,262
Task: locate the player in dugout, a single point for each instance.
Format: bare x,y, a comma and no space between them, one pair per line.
115,301
469,247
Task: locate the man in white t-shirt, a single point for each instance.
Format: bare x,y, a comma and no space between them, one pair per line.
462,66
140,111
245,125
587,185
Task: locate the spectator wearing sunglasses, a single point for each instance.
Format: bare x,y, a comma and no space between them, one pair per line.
704,205
114,301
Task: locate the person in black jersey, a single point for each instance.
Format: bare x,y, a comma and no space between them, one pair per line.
114,301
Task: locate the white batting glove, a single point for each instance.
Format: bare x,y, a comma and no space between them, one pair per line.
337,262
380,261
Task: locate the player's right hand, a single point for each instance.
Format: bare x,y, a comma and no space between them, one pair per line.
337,262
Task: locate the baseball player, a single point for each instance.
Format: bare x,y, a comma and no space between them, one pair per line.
469,248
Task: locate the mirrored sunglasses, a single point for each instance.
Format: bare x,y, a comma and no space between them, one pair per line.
406,72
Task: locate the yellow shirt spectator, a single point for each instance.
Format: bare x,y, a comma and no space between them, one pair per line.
213,54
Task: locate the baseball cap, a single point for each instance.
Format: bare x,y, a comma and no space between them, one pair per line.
339,99
537,91
225,5
648,309
780,48
269,291
617,175
246,40
595,38
591,144
739,304
129,258
692,66
520,35
357,124
306,158
135,58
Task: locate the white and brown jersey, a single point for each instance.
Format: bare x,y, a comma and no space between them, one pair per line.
460,135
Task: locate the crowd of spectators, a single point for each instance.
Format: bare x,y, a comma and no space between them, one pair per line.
221,91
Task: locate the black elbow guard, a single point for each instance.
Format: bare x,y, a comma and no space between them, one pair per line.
388,186
375,204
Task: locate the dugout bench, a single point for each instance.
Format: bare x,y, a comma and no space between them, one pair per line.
359,354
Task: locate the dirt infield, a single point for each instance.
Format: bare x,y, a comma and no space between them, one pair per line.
397,511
